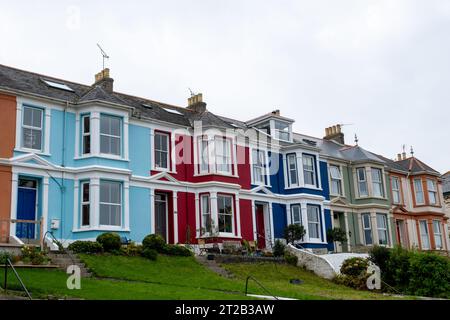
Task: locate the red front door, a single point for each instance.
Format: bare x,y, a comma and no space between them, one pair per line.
260,230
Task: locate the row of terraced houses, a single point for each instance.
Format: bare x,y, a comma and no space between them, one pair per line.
79,160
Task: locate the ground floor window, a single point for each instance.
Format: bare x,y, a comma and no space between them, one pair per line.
313,213
206,213
367,228
424,236
437,234
225,213
85,204
382,229
110,203
296,213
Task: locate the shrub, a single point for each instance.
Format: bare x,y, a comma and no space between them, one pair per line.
155,242
5,255
109,241
131,250
278,249
85,247
33,255
150,254
380,255
357,282
294,232
336,234
290,258
175,250
429,275
395,270
354,267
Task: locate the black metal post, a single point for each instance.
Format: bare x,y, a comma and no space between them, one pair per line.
6,273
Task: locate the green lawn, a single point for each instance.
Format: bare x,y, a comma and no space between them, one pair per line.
180,278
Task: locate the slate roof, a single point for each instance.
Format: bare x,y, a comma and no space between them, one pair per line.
414,165
446,183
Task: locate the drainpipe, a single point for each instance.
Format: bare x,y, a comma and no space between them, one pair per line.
63,164
351,199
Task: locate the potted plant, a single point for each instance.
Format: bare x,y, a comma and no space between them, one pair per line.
336,235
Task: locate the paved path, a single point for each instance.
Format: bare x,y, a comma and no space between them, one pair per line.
213,266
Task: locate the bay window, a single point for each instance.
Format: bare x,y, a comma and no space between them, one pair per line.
86,134
32,128
215,156
362,182
110,135
309,170
225,213
367,228
424,235
382,229
377,182
206,213
437,234
395,186
418,190
203,154
296,213
292,169
313,215
110,203
259,166
85,204
162,150
432,191
222,148
336,180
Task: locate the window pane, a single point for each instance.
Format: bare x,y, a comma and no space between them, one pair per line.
86,144
309,178
85,192
37,118
296,216
419,190
27,116
85,215
86,125
424,235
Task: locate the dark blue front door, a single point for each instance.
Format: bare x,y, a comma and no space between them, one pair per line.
26,210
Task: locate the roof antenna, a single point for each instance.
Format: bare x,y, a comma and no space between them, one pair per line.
192,92
105,56
356,139
412,152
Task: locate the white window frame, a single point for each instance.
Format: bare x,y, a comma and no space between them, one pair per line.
396,190
289,169
437,235
219,196
225,154
382,229
364,181
376,183
313,224
119,137
421,191
86,134
424,235
30,127
203,167
299,208
259,165
337,180
278,133
161,151
367,228
313,171
120,204
85,203
206,197
432,192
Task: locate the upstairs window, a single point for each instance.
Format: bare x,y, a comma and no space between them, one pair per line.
367,228
292,169
259,166
161,150
222,147
203,154
32,124
362,182
377,182
110,135
382,229
313,221
432,191
309,170
282,131
110,203
225,213
336,180
86,134
437,234
418,190
395,184
296,214
215,156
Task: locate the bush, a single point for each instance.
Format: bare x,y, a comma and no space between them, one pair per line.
33,255
356,282
395,270
336,235
429,275
131,250
290,258
294,232
109,241
278,249
354,267
155,242
150,254
85,247
5,255
380,255
175,250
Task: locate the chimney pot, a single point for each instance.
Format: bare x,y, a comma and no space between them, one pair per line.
334,133
196,103
404,155
103,79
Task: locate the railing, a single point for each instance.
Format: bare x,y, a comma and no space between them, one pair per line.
8,264
28,229
259,284
59,244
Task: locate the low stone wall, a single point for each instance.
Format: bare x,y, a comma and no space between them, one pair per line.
12,249
312,262
230,258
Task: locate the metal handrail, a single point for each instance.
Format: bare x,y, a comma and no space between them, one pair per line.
258,283
9,264
60,246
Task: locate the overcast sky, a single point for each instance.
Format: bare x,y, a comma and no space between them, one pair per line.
383,67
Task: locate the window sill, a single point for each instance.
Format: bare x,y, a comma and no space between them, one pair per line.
261,185
215,174
164,170
103,156
102,228
38,152
220,235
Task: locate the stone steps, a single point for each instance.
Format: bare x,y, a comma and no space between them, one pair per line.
64,260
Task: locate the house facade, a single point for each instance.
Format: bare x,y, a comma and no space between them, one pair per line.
79,160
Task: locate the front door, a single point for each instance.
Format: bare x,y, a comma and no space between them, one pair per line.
26,208
260,229
161,215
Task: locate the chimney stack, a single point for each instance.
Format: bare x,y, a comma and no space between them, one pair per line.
403,155
103,79
334,133
195,103
276,112
399,156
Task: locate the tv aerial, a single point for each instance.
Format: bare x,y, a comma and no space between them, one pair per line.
105,56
